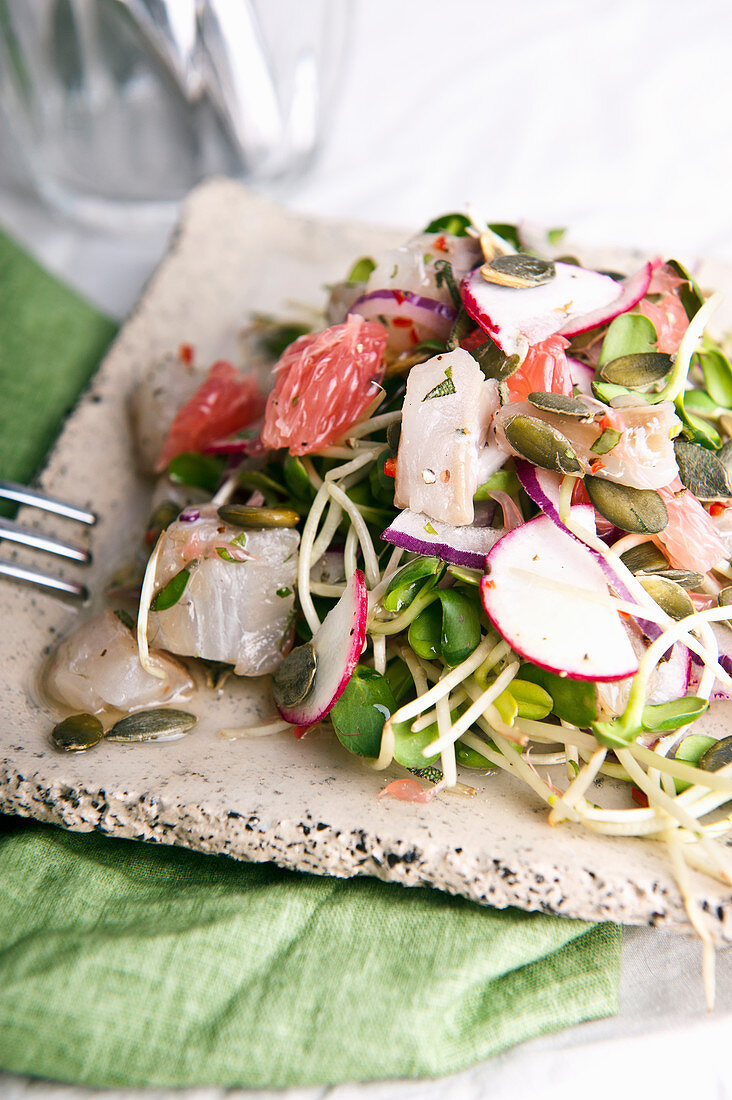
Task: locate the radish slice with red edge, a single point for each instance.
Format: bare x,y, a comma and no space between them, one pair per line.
516,319
582,375
418,533
337,646
632,290
534,594
543,488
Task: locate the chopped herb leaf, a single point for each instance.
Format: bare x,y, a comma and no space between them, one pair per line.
605,442
283,593
442,389
173,590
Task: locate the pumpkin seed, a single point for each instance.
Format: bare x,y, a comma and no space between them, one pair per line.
393,435
541,444
159,724
495,363
702,471
293,677
246,515
518,271
725,597
561,404
669,596
641,511
646,558
77,733
638,369
684,577
717,756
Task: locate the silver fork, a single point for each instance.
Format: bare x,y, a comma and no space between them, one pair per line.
26,536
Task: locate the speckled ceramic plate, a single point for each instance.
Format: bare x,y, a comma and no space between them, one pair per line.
304,804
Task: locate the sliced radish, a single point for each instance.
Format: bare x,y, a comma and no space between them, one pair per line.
543,488
632,290
467,545
582,375
516,319
546,595
336,645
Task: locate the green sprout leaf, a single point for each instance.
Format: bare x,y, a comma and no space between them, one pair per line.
197,471
455,224
628,334
411,579
361,270
169,595
574,701
359,715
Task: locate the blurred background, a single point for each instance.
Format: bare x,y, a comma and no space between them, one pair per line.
614,119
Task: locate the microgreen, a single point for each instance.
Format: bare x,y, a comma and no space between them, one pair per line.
361,270
169,595
628,334
358,716
197,471
411,579
455,224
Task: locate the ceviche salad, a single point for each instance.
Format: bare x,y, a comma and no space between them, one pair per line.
479,516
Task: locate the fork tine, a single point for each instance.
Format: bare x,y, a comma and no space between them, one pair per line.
43,580
14,532
35,498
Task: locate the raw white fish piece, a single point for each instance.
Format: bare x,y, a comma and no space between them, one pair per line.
438,465
412,266
644,457
235,611
98,666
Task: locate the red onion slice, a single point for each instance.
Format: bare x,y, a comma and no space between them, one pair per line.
465,546
408,317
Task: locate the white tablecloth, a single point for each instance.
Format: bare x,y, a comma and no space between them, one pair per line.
614,119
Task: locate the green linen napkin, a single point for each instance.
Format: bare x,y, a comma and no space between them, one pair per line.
127,964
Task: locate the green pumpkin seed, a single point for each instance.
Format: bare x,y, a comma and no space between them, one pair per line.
640,511
248,516
293,677
725,597
518,271
717,756
159,724
77,733
541,444
393,435
702,471
684,577
495,363
646,558
639,369
561,404
670,597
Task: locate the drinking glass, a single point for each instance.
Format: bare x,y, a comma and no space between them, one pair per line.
118,107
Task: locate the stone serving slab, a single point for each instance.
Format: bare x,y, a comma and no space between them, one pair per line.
303,804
